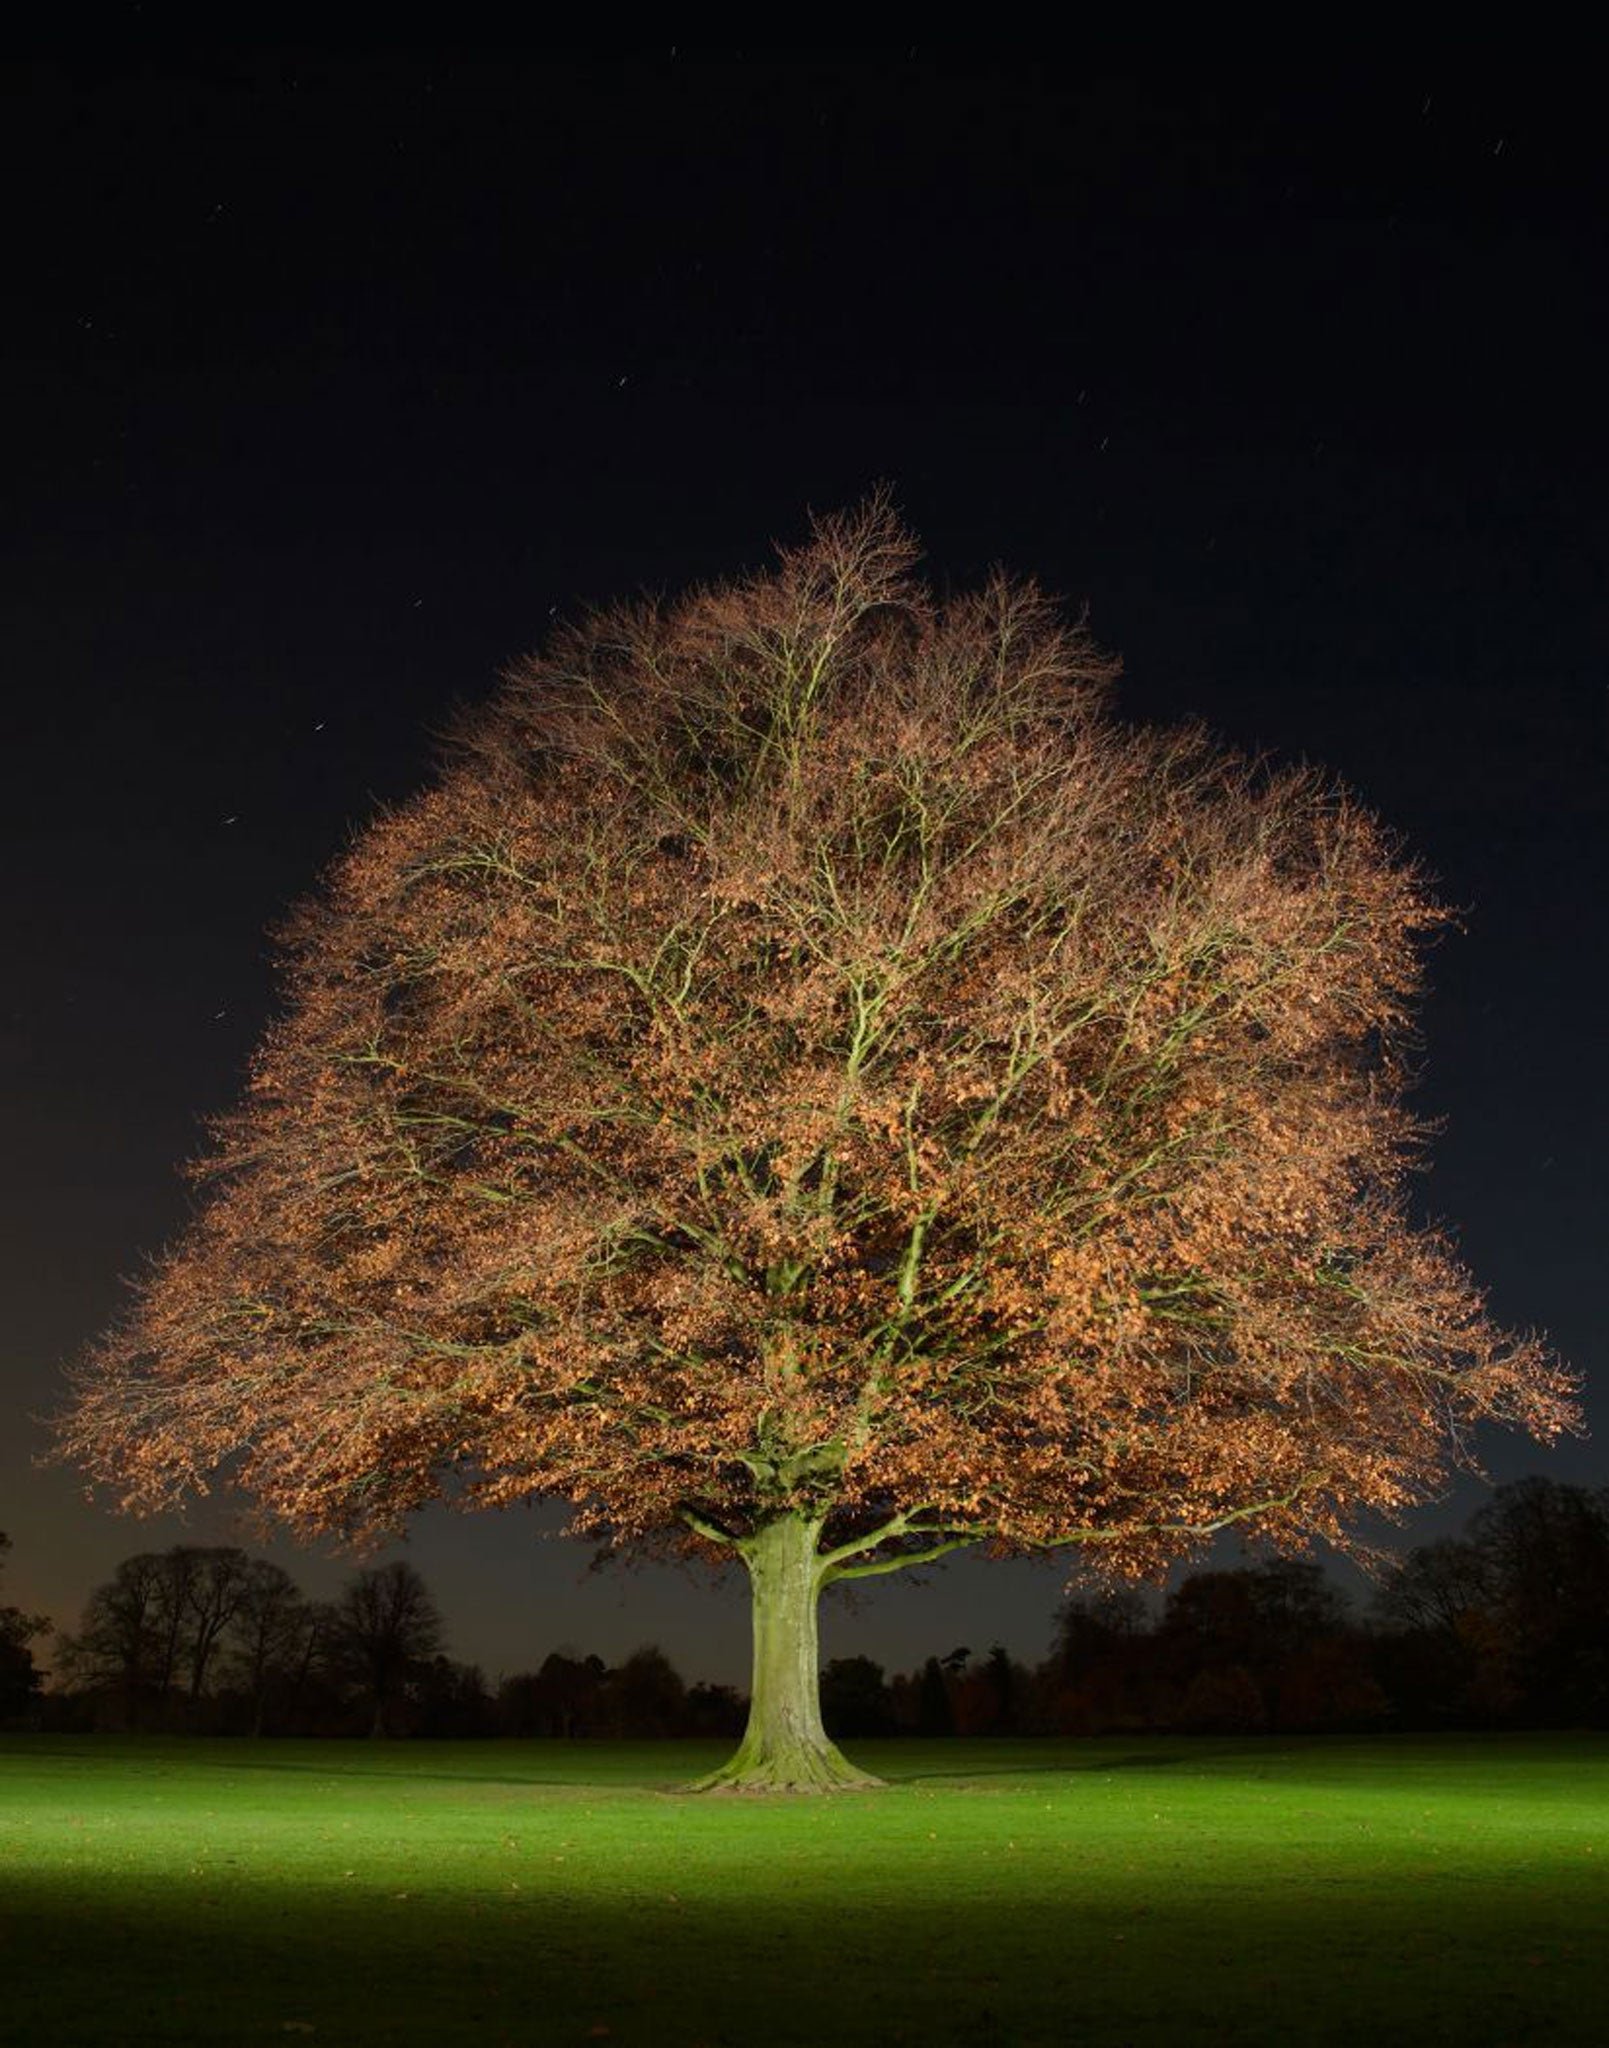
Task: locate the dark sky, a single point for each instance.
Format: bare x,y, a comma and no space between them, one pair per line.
327,381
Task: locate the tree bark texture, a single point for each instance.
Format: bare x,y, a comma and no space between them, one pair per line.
785,1748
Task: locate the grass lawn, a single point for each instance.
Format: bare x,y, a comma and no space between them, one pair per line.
1144,1891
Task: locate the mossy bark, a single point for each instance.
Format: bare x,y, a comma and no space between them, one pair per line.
785,1748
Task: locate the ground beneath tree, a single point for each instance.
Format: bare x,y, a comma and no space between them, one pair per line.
1139,1892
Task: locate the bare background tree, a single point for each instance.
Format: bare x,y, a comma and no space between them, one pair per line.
274,1634
20,1682
383,1629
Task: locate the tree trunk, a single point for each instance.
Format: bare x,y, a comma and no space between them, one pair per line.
785,1748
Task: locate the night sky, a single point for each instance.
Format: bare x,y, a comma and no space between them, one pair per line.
328,382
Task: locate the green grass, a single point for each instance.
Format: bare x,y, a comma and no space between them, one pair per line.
1132,1892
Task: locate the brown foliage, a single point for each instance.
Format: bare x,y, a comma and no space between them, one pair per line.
805,1053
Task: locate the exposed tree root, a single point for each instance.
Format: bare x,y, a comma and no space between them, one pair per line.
796,1769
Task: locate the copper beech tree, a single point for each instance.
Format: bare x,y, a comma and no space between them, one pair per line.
807,1085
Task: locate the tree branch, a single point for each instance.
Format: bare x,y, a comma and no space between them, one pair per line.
711,1532
1224,1521
907,1523
957,1537
833,1574
898,1526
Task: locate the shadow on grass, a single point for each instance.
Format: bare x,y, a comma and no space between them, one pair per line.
1141,1760
588,1766
672,1768
1502,1766
922,1959
570,1780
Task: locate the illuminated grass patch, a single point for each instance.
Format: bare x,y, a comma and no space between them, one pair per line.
1142,1891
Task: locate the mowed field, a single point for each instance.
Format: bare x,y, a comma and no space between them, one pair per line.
1139,1891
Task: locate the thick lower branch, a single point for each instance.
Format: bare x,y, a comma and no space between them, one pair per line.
902,1560
909,1522
711,1532
1224,1521
958,1536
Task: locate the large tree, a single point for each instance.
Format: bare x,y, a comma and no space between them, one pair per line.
808,1085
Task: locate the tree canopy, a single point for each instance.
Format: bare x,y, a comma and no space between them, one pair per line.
806,1057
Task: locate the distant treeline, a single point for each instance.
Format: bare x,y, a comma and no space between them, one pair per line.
1505,1625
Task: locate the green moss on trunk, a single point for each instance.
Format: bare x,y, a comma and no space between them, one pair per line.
785,1748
